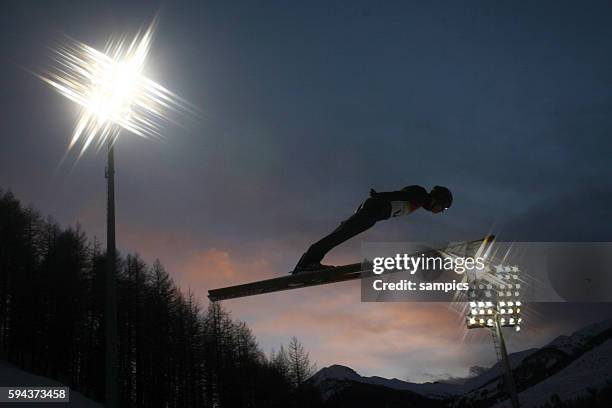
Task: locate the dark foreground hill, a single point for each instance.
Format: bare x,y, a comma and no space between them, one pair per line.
11,375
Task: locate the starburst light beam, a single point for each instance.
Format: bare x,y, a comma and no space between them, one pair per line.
111,89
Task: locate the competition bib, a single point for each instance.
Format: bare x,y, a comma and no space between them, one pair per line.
399,208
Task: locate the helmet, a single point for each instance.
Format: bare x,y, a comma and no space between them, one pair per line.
442,195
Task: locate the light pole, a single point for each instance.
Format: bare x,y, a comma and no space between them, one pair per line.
110,298
494,303
511,387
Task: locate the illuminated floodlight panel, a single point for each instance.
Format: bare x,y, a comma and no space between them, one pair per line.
496,295
111,89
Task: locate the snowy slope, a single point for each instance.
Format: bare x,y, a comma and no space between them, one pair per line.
558,356
13,376
591,370
574,343
495,371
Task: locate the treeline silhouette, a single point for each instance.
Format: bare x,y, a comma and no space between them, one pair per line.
172,351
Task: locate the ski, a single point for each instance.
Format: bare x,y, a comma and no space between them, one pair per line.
335,274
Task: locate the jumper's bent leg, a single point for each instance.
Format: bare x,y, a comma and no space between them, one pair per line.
370,212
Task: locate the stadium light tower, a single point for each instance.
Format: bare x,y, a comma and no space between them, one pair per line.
494,303
114,95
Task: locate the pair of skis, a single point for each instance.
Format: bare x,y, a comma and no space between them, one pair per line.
330,275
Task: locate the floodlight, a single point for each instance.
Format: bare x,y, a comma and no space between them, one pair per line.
501,311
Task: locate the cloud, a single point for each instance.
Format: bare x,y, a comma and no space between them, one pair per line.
575,215
213,268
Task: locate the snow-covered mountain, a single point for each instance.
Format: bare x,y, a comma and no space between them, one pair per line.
591,371
329,378
550,369
569,366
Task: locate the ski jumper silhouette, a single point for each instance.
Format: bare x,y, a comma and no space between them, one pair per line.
378,207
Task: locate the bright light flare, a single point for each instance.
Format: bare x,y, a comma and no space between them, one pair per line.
111,89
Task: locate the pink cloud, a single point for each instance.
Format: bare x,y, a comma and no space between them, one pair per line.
212,268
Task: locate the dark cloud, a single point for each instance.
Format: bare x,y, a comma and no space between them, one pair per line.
582,214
